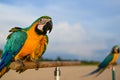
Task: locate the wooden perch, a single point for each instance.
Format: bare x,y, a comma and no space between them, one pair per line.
32,65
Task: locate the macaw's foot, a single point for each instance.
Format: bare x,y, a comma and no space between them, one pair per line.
110,67
22,66
37,65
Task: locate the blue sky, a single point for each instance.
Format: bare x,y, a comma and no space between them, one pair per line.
83,29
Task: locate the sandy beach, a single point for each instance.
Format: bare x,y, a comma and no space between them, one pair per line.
67,73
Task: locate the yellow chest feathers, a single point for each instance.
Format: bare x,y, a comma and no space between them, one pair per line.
35,42
116,55
33,46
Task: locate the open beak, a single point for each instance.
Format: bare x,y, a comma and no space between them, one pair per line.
48,26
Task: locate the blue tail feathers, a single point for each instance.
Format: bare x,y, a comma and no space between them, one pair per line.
6,59
95,71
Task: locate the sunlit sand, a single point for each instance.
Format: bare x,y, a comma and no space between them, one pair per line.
67,73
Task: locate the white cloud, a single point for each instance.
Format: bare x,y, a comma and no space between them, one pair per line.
72,39
68,32
15,14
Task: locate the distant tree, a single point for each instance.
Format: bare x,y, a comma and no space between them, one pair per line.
58,58
41,59
45,59
85,62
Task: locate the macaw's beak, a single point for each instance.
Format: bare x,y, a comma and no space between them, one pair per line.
48,26
118,50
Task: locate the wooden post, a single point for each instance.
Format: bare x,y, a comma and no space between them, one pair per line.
57,73
113,73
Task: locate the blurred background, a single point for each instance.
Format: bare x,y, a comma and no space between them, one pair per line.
83,29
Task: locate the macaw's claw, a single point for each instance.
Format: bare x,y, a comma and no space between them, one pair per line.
37,65
22,66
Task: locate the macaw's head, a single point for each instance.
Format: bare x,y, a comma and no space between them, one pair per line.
115,49
44,24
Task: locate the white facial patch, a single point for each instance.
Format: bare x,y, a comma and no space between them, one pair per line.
40,27
41,23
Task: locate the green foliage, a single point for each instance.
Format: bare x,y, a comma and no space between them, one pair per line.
45,59
84,62
57,59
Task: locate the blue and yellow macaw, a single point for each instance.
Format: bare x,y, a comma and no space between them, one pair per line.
23,42
109,61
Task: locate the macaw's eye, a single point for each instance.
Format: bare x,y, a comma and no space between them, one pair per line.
43,21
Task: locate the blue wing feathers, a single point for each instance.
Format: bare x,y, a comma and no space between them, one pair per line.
12,47
106,61
103,65
5,60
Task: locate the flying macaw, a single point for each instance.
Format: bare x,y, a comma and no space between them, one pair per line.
109,61
31,41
